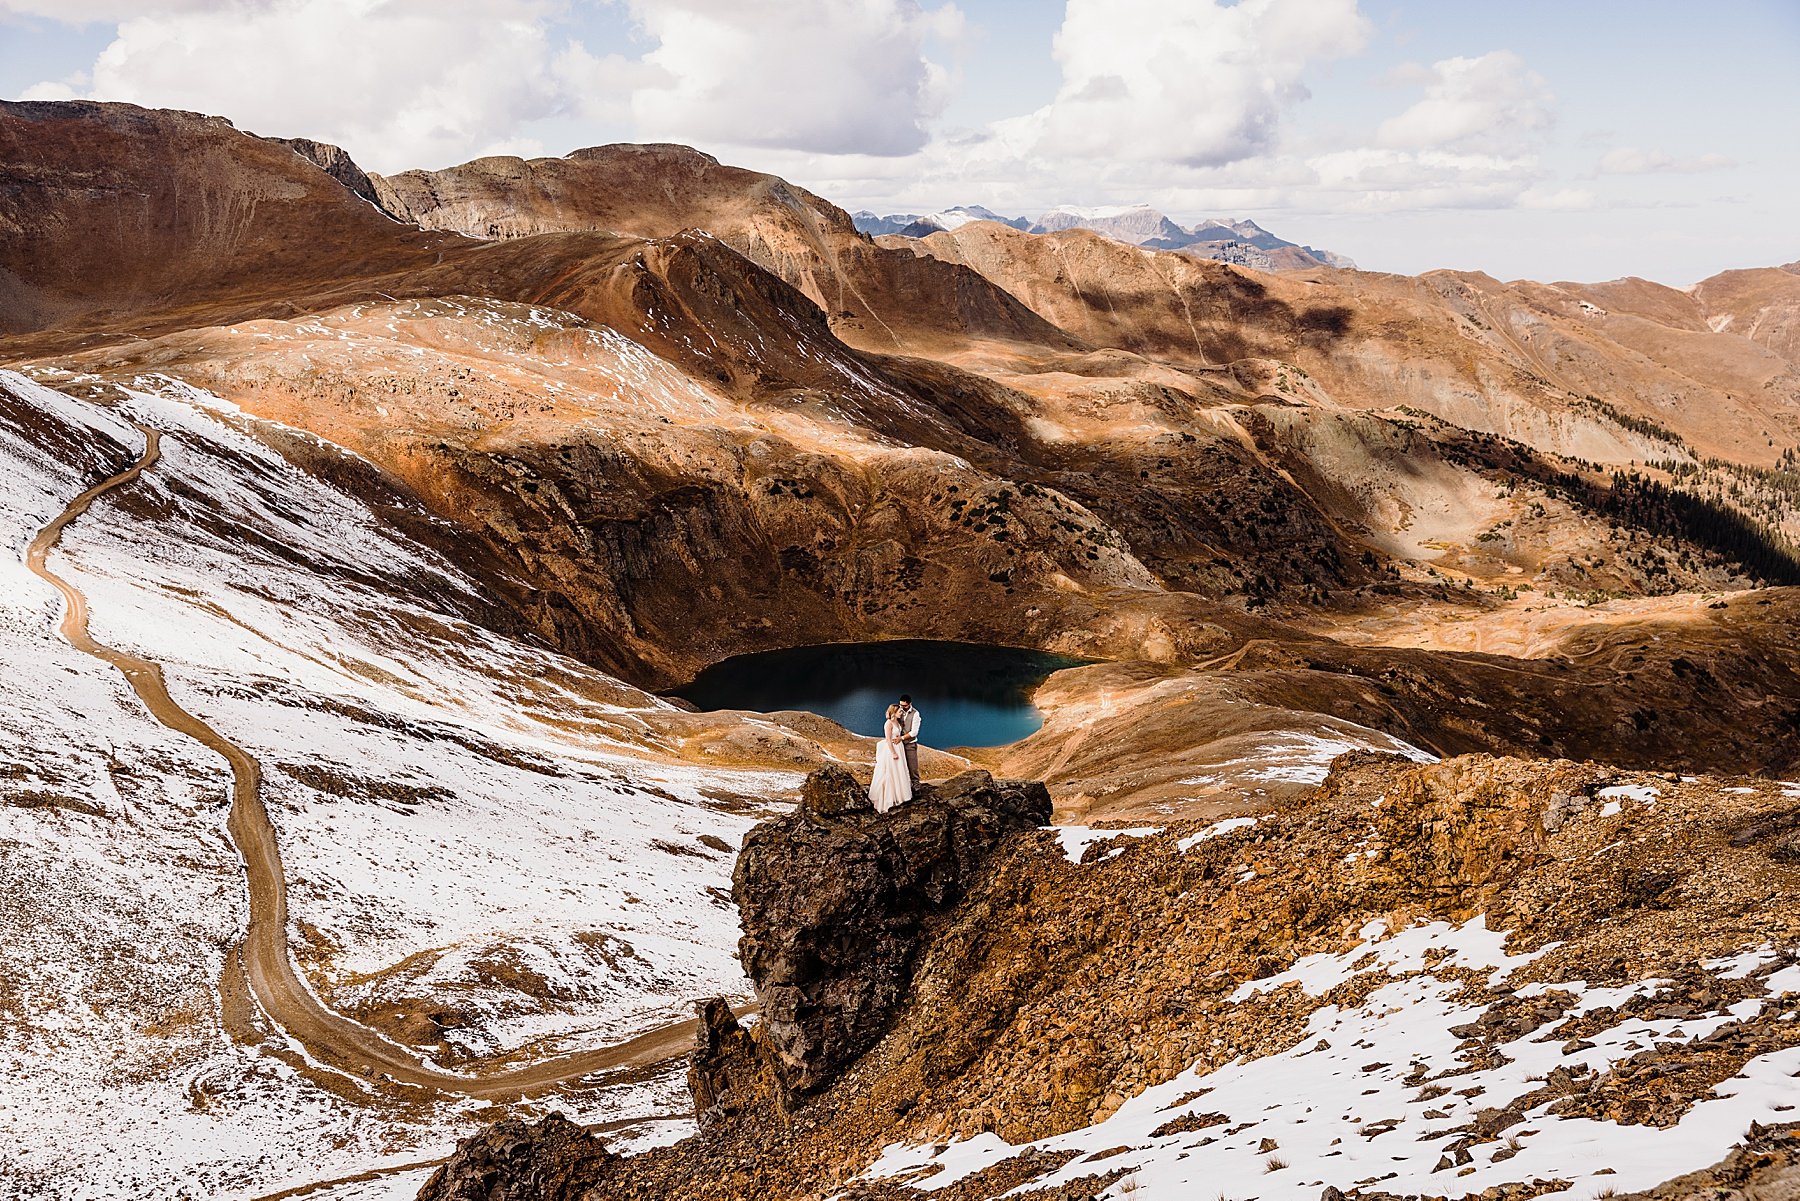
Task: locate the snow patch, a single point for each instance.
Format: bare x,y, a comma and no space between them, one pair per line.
1215,830
1075,840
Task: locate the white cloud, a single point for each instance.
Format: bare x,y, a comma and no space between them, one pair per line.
1120,129
404,83
1182,106
53,89
599,88
401,82
1197,84
1628,160
1375,178
1494,103
827,76
1557,200
84,12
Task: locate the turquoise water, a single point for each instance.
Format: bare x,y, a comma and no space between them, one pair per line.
967,693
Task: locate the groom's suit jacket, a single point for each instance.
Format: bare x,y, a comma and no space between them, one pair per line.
909,724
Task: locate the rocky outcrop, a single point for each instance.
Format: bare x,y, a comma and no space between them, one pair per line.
551,1160
1764,1167
1455,833
726,1075
335,162
835,899
1052,992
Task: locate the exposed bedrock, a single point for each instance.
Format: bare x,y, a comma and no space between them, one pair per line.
1765,1166
1052,993
835,899
549,1160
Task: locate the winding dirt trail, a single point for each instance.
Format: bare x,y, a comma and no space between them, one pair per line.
262,958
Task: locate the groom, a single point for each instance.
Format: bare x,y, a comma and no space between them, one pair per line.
909,732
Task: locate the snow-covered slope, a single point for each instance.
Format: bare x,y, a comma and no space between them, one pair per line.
476,831
1380,1090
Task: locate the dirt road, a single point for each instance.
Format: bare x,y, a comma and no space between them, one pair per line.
262,959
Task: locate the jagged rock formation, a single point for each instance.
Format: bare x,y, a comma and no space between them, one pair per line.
549,1160
726,1073
835,899
335,162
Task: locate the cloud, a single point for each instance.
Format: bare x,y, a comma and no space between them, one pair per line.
86,12
405,83
826,76
1558,200
1375,178
1628,160
1494,103
53,89
1184,106
1187,110
416,82
1196,84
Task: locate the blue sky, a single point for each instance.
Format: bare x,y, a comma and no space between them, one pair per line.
1579,140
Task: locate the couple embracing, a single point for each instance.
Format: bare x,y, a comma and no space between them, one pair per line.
896,757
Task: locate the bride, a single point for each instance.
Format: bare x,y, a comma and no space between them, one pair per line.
891,786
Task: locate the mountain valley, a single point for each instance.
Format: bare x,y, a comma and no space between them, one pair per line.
1444,676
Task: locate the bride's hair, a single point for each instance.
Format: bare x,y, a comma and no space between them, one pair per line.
893,712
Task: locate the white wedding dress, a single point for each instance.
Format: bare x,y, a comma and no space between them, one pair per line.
891,786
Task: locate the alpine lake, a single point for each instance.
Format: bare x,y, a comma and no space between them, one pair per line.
967,694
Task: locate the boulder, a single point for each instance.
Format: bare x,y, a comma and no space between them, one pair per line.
832,791
513,1160
835,898
725,1074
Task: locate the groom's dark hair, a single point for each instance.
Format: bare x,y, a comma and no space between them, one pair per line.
906,698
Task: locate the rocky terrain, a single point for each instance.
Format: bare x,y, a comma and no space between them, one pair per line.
1484,977
409,492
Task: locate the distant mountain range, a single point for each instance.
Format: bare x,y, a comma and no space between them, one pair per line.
1244,243
919,225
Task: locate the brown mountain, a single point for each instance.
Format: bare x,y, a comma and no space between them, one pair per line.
1516,359
120,218
875,298
677,458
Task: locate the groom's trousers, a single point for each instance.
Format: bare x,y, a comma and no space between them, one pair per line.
912,762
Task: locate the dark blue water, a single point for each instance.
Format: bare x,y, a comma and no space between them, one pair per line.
967,693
